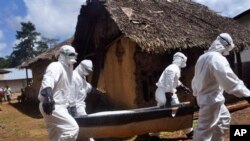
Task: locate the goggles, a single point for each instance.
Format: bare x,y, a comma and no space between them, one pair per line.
72,54
228,44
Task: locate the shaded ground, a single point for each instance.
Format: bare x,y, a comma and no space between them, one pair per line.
23,122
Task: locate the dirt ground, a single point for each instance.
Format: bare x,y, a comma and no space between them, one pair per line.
23,122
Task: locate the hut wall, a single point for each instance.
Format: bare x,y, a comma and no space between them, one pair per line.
148,70
245,20
38,69
149,67
117,78
245,74
187,73
130,74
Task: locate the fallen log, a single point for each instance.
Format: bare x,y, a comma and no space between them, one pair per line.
238,106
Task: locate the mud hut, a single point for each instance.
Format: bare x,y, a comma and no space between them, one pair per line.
132,41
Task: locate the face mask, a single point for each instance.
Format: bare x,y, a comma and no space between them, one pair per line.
225,53
227,50
83,72
183,64
227,45
179,62
70,58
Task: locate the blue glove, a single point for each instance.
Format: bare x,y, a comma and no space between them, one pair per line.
48,102
72,111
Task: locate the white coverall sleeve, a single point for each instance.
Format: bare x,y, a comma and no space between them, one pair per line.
89,87
170,81
74,89
227,78
179,83
194,88
52,75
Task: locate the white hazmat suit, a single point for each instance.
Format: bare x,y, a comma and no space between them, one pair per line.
168,81
60,124
212,76
80,88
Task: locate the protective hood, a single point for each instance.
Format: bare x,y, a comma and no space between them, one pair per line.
84,68
67,55
180,59
222,44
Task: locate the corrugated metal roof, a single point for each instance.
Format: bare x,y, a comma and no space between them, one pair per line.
15,74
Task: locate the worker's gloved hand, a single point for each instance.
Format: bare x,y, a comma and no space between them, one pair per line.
48,102
187,90
168,99
72,111
194,102
95,91
184,89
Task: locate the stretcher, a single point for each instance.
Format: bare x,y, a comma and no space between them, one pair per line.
127,123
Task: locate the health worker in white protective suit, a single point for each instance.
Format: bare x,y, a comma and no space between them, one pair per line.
165,94
80,88
212,76
54,94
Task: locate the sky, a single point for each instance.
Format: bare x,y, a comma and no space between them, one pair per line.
57,18
52,18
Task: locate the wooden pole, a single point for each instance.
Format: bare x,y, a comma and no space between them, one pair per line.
232,108
27,77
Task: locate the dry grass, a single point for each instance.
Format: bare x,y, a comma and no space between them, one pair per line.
21,122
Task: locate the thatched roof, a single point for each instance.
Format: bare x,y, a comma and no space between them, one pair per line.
160,25
156,25
50,54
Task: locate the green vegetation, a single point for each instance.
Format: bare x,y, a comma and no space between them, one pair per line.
31,43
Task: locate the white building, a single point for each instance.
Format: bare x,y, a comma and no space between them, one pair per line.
15,79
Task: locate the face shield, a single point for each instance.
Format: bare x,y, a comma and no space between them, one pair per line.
180,59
